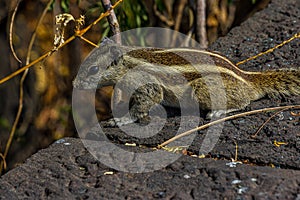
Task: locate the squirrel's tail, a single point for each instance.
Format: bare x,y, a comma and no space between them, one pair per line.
284,82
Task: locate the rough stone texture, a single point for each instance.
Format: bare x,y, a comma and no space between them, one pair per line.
66,170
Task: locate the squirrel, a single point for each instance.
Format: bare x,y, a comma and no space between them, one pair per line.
200,69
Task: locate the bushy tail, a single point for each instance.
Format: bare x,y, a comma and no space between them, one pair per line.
284,82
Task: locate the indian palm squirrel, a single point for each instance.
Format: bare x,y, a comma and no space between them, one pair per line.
209,74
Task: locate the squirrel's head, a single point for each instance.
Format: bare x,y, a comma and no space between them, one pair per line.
103,67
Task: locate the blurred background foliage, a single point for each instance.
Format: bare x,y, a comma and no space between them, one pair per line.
47,113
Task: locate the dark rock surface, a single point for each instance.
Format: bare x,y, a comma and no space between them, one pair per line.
66,170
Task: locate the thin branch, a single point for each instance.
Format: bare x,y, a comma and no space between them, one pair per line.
88,41
256,133
11,32
297,35
178,19
21,93
163,18
295,114
34,33
78,33
25,68
236,151
179,14
11,134
27,117
3,161
201,23
223,120
113,21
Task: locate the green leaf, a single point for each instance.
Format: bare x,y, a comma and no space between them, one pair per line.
65,4
160,5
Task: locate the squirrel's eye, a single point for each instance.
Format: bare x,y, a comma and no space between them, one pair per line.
93,70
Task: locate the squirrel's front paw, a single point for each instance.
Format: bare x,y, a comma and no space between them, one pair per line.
219,113
137,117
120,121
215,114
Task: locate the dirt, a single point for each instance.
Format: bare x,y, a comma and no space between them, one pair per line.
270,166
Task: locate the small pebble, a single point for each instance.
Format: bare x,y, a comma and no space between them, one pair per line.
242,190
254,179
234,182
233,164
60,141
186,176
160,195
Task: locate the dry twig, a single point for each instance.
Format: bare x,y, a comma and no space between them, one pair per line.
297,35
11,31
225,119
113,21
21,92
24,69
256,133
201,23
78,33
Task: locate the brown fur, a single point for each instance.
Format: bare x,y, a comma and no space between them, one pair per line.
213,78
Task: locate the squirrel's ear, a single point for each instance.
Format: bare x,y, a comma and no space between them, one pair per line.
115,51
106,41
